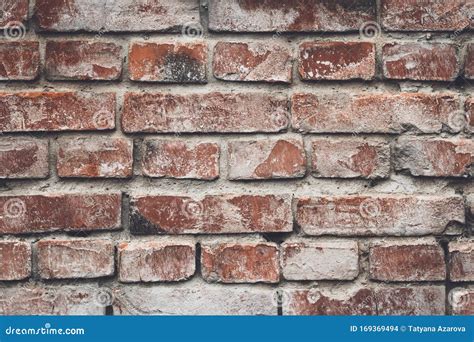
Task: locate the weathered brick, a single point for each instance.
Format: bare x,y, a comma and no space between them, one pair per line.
410,261
461,260
26,214
374,113
180,159
325,260
240,262
397,215
252,62
50,300
265,159
289,15
426,15
350,158
435,157
15,260
51,111
411,300
152,261
20,60
23,158
99,157
119,15
468,120
73,259
194,298
168,62
326,301
83,60
420,61
211,112
337,61
469,62
461,301
211,214
13,11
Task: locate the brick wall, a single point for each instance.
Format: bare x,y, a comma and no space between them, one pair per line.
236,157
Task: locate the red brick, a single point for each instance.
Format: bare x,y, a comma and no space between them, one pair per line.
26,214
211,112
289,15
461,301
15,260
266,159
420,61
211,214
320,260
337,61
327,301
99,157
168,62
50,300
426,15
374,113
180,159
461,260
194,298
152,261
412,261
64,111
252,62
115,16
350,158
23,158
74,259
20,60
378,215
469,62
83,60
468,120
13,11
240,263
435,157
411,300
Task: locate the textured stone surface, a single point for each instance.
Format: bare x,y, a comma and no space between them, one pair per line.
374,113
27,214
326,260
378,215
240,262
73,259
23,158
411,300
420,61
252,62
15,260
169,62
12,11
56,111
461,260
101,157
336,61
19,60
350,158
180,159
289,15
211,112
462,301
83,60
211,214
265,159
154,261
469,64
